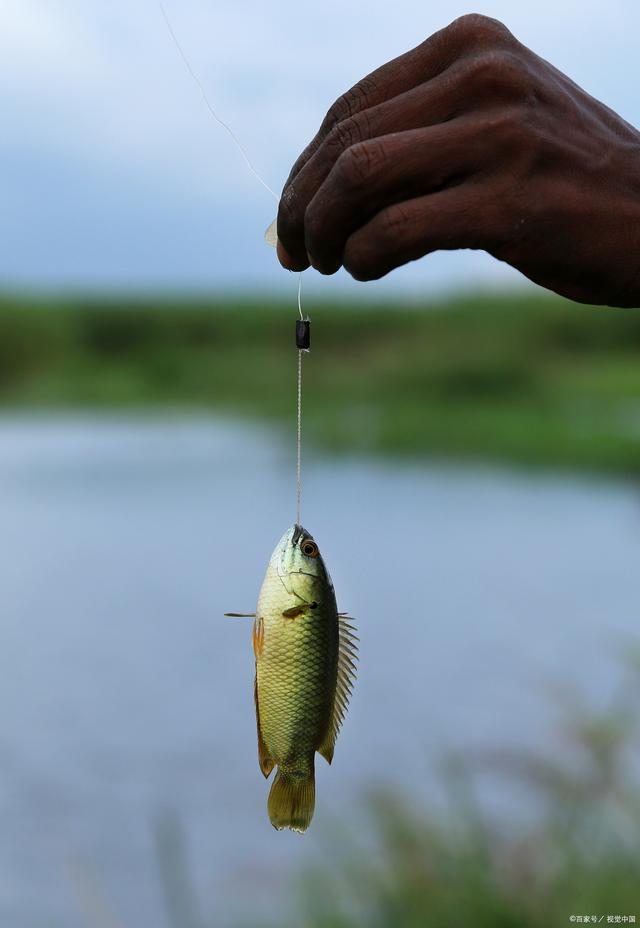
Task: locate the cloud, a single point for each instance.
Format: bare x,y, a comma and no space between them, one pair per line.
101,122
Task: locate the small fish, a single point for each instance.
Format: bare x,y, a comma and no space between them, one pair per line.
305,668
271,234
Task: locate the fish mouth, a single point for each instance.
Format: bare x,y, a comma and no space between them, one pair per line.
288,561
298,534
287,554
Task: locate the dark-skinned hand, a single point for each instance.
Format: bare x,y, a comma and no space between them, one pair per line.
471,140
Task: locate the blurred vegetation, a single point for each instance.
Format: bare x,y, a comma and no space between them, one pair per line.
523,378
572,849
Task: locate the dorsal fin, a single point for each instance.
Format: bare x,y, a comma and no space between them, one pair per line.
347,657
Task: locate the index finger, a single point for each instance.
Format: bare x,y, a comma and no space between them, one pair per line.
417,66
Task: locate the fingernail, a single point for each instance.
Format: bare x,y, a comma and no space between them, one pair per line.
284,257
288,262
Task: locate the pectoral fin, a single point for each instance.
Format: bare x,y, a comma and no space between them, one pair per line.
294,612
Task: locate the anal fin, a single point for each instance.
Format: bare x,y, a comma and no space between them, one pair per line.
328,746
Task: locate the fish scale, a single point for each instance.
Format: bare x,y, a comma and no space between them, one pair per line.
304,654
296,671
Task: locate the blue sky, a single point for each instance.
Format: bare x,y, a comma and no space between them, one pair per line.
113,174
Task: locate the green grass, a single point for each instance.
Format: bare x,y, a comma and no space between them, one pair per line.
572,848
529,379
396,862
579,853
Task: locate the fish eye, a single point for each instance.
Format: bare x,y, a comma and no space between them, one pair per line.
310,548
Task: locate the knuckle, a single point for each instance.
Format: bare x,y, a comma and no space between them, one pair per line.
507,128
335,114
286,209
359,97
511,133
498,125
360,163
477,28
499,71
497,75
343,135
393,225
485,66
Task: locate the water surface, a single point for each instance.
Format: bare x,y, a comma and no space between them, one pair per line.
124,693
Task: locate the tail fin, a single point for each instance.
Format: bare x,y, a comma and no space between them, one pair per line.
292,799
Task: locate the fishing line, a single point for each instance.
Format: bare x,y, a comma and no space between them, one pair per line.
203,92
302,325
300,295
303,343
299,439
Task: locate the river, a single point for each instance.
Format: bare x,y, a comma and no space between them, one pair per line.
125,695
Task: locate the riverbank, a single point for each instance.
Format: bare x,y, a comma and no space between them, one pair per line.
529,379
